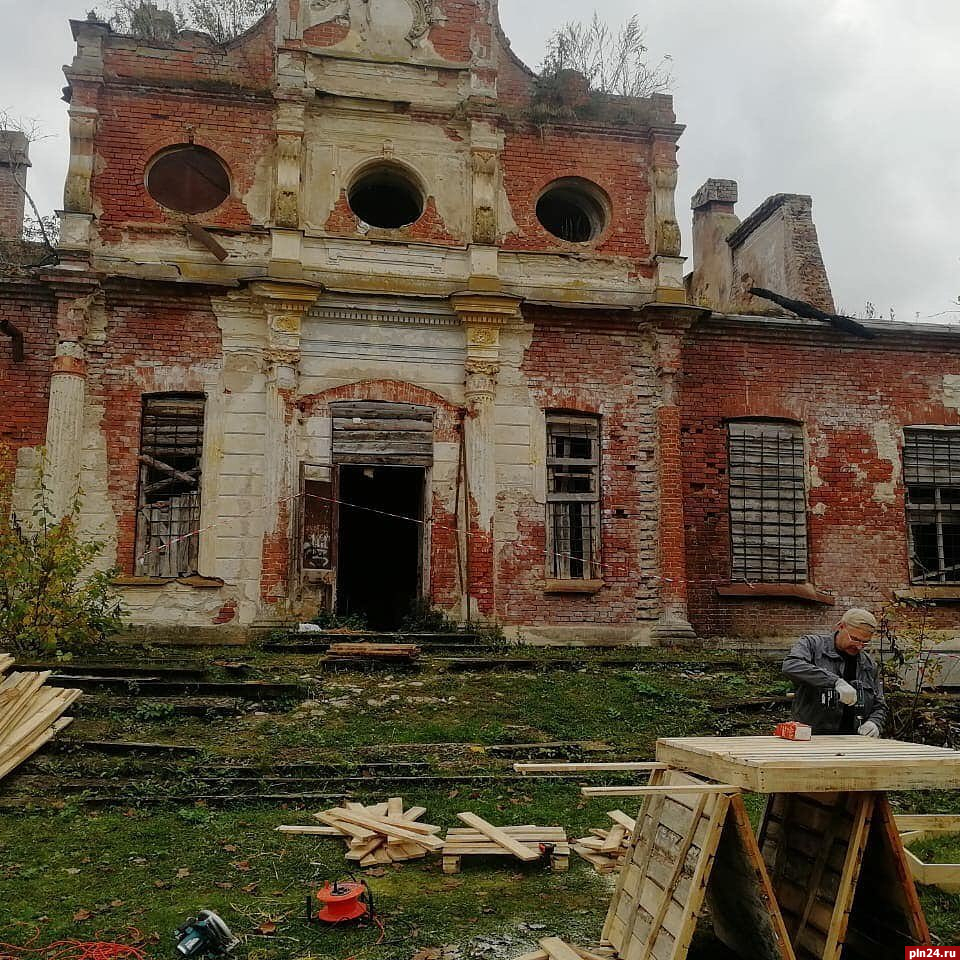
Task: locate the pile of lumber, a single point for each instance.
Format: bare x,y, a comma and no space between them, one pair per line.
378,834
552,948
525,842
375,651
605,849
30,714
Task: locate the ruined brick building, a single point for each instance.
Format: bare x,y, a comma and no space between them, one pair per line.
356,313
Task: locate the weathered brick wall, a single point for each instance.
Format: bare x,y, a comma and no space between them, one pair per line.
591,363
135,124
158,339
619,166
196,60
854,398
25,387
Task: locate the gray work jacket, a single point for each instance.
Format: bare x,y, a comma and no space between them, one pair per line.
814,664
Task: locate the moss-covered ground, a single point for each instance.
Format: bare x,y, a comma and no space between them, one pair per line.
119,847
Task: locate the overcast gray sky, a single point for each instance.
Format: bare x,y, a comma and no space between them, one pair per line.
852,101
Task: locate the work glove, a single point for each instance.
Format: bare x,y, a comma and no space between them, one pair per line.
847,694
868,729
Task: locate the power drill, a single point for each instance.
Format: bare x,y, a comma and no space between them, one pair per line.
831,700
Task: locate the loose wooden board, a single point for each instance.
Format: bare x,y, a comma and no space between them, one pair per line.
825,763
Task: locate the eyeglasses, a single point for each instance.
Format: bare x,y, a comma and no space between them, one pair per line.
858,636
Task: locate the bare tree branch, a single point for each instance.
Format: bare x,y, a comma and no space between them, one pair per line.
612,63
161,20
37,228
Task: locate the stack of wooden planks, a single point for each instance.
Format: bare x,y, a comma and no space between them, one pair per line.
605,849
552,948
376,651
30,714
526,843
378,834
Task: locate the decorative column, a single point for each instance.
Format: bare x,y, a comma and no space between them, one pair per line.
483,316
671,323
65,410
282,305
666,241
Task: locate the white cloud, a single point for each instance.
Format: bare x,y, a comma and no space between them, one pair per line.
851,101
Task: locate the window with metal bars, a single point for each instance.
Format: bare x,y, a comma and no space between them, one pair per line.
768,510
168,507
931,474
573,497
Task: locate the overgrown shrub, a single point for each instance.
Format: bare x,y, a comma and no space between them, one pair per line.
52,600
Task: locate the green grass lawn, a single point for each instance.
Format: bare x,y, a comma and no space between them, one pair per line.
136,869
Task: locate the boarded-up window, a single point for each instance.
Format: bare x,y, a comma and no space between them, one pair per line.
374,432
768,514
168,509
931,473
573,497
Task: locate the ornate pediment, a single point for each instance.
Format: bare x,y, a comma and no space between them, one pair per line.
379,22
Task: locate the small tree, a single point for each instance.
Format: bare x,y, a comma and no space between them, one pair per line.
52,600
612,62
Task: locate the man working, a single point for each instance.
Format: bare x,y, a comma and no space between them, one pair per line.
838,684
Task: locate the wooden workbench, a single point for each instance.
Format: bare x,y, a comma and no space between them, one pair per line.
773,765
825,878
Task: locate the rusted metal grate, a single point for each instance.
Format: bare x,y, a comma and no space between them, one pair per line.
573,497
168,509
768,513
931,474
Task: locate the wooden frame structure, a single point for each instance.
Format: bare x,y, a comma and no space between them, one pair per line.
690,849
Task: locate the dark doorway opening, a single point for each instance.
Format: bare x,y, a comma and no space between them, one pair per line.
379,542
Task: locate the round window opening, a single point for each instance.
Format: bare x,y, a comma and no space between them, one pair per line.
188,179
386,197
572,210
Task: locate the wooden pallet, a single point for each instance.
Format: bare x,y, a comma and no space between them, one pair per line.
527,843
690,849
605,849
376,835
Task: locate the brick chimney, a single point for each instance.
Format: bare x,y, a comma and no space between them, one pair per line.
14,161
713,221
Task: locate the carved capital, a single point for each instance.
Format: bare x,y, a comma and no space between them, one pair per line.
283,306
480,380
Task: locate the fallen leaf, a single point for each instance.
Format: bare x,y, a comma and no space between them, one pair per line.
82,914
73,871
230,848
427,953
116,903
250,887
267,927
241,864
227,885
183,872
377,872
453,793
161,884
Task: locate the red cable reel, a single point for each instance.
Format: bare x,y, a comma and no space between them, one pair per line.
342,901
